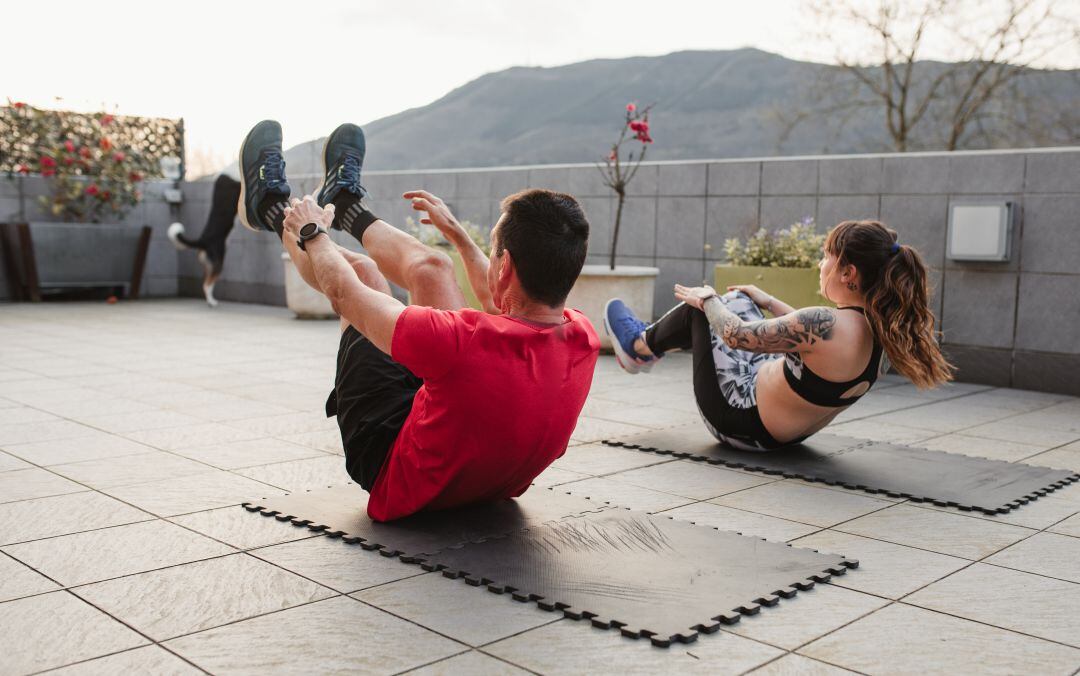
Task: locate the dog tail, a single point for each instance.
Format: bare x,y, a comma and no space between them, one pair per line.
177,236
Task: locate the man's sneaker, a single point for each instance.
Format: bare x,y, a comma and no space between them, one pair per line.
262,175
343,158
624,328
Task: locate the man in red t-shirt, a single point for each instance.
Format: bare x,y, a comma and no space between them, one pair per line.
439,405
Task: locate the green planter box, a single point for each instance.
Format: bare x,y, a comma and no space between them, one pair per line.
798,287
462,278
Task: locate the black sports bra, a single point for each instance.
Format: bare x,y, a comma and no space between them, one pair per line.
816,390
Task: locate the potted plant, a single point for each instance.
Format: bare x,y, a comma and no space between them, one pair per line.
634,284
93,185
783,263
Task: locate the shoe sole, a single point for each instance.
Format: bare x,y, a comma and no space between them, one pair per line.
241,206
621,357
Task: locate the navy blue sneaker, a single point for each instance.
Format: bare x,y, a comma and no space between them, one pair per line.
262,177
624,328
343,158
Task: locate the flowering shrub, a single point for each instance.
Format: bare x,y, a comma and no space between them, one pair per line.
92,179
797,246
430,235
617,173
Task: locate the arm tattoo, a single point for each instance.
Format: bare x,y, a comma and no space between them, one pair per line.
790,333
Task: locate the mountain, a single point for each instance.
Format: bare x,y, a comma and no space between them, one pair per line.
712,104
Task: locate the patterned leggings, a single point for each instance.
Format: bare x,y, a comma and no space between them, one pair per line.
725,378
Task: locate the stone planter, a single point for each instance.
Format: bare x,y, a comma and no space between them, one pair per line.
598,284
44,258
303,300
798,287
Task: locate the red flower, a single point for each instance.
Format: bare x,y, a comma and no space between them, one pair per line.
630,107
84,152
106,120
641,127
135,177
118,157
612,157
47,162
19,104
22,169
68,161
92,189
105,144
105,196
48,172
69,146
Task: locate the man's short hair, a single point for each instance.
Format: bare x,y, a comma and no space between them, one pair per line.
548,235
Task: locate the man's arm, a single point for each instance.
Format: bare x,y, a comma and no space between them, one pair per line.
476,263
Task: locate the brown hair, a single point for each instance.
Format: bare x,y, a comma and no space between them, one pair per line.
893,278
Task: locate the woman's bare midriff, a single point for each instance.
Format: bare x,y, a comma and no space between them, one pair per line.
786,415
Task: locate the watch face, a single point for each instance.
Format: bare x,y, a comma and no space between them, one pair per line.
309,229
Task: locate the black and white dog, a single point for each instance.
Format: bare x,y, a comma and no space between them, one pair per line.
211,243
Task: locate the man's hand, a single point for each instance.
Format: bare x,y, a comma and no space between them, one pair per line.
694,296
438,214
301,212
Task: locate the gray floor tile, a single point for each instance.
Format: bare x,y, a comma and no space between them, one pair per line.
9,462
23,414
1058,458
885,569
741,521
554,476
595,429
1070,526
63,514
242,529
24,433
624,495
450,607
906,640
940,417
946,533
232,408
93,446
966,444
1045,554
690,479
17,580
326,440
166,603
1010,599
192,493
340,566
301,475
55,629
251,453
569,647
133,469
288,423
112,552
652,417
26,484
172,438
121,423
598,460
803,503
1007,431
809,615
148,660
337,636
871,428
797,665
473,663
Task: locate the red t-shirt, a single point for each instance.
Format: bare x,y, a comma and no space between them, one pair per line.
500,398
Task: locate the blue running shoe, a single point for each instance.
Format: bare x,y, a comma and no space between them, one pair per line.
624,328
343,158
262,177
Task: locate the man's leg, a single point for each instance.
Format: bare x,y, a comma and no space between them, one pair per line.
427,274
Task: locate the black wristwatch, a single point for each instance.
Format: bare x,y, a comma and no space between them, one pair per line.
309,231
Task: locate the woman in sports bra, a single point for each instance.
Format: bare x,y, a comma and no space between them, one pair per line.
765,383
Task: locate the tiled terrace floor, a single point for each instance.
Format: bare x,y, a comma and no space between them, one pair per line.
130,433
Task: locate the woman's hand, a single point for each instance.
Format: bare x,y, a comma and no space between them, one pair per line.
694,296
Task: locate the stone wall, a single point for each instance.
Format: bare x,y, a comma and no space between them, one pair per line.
1011,324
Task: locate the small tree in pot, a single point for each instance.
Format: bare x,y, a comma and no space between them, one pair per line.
618,174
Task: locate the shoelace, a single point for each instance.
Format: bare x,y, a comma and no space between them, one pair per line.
350,173
273,168
629,323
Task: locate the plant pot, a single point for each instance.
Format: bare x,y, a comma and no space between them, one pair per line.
44,258
598,284
303,300
798,287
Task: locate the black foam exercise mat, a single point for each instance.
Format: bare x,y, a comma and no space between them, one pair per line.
944,479
650,576
341,511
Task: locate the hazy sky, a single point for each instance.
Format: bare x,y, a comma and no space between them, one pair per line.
224,65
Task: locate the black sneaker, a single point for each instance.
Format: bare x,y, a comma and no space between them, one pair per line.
262,175
343,158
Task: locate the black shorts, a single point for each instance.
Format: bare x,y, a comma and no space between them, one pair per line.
372,397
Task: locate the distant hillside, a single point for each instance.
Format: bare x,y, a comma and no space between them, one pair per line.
707,105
